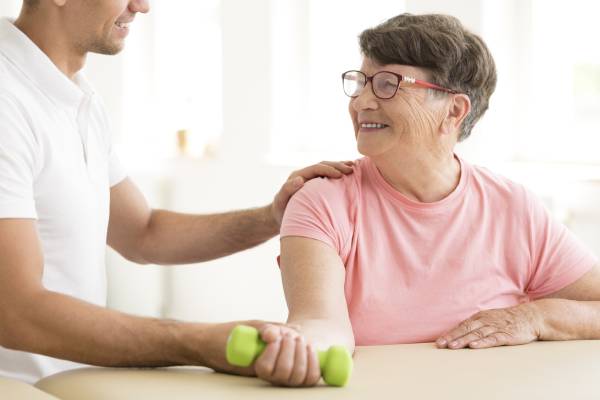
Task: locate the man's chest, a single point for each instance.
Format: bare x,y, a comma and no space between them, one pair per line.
72,186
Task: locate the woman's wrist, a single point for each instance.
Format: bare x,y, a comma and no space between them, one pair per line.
555,319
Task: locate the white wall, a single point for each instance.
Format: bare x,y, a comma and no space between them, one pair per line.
10,8
247,285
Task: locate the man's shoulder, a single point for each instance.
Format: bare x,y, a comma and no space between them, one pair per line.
7,79
12,91
20,103
15,117
9,103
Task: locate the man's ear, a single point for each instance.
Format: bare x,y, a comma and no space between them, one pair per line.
458,109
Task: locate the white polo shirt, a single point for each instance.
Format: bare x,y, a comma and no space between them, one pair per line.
56,166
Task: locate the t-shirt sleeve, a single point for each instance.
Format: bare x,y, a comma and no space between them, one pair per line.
116,171
559,258
321,210
19,159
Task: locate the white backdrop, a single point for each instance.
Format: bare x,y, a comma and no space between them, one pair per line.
253,128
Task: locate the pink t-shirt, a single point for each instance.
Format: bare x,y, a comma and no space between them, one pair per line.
414,270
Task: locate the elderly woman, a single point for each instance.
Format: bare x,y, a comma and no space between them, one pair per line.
417,245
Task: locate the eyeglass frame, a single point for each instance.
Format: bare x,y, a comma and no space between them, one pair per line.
401,78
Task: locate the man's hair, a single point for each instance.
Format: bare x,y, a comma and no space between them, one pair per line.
454,57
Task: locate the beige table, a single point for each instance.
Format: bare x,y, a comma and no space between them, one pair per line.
17,390
545,370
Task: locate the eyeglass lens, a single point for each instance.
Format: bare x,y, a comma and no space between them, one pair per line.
384,84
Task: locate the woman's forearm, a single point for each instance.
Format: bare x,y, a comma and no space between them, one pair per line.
568,319
324,333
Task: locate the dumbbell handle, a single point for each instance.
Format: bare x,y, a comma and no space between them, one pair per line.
245,345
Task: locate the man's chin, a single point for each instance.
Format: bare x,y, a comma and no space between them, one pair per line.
108,49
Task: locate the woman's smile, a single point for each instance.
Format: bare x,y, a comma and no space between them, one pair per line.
372,127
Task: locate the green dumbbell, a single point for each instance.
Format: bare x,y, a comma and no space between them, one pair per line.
245,345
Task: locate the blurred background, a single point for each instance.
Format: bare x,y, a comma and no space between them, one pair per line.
215,102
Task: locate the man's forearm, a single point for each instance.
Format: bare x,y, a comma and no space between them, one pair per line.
63,327
174,238
568,319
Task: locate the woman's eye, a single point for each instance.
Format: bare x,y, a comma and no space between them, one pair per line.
386,84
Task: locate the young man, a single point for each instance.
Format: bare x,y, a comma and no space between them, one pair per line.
63,196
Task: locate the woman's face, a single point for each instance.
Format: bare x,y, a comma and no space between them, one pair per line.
410,118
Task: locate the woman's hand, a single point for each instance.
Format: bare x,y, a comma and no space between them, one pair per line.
288,360
500,327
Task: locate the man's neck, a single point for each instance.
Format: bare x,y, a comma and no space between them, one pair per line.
52,40
422,176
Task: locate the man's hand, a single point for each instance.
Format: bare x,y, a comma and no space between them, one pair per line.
296,180
214,341
500,327
288,359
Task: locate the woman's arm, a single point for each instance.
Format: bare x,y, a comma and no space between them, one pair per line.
313,279
572,313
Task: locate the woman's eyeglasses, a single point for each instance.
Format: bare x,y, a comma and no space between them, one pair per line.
384,84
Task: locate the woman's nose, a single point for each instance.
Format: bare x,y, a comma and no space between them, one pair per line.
366,99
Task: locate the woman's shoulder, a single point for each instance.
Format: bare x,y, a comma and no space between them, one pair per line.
345,187
496,184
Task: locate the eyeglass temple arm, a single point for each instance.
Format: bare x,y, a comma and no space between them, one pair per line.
427,84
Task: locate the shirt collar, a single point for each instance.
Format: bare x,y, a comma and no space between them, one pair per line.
35,64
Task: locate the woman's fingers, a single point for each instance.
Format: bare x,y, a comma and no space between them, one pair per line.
493,340
497,327
465,327
473,336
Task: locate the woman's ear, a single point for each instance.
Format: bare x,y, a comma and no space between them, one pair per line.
458,108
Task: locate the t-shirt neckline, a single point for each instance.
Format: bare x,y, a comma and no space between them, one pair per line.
454,197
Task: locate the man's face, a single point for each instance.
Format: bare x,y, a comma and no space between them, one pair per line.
100,26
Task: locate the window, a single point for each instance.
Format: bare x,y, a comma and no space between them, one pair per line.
563,123
546,107
313,42
172,80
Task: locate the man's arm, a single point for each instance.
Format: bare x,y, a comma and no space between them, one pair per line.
144,235
313,278
37,320
572,313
